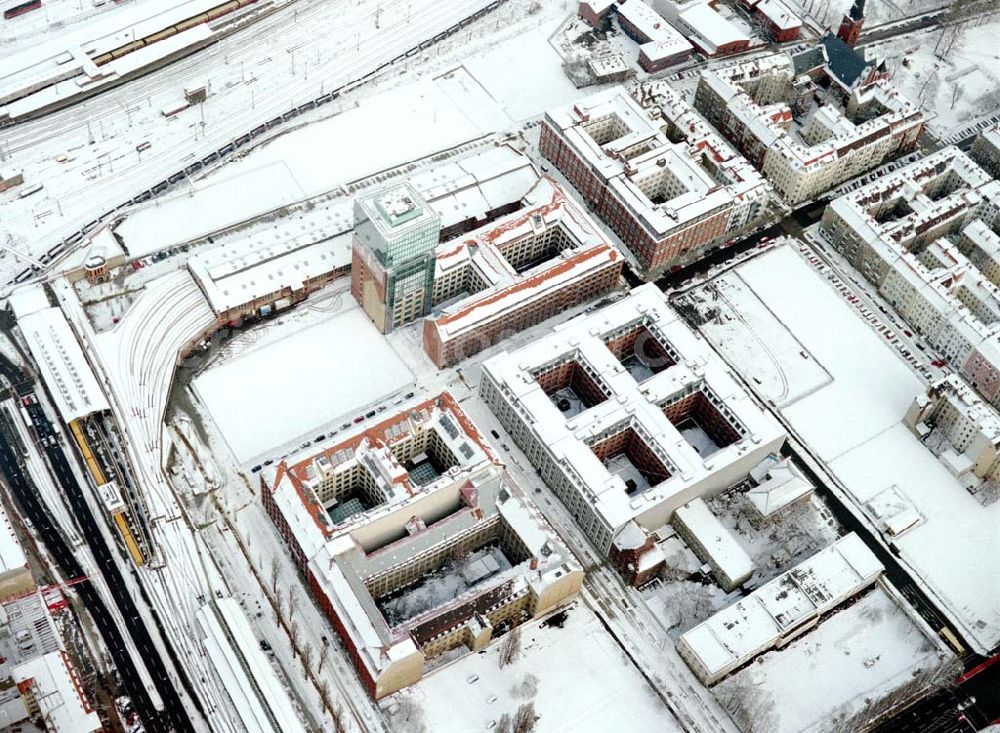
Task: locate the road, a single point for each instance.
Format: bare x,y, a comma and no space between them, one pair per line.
173,717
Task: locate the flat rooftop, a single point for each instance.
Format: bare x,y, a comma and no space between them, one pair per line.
66,371
852,420
683,384
811,588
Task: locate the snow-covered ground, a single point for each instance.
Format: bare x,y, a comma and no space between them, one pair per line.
829,12
854,424
952,74
286,59
491,91
787,372
861,653
288,390
576,676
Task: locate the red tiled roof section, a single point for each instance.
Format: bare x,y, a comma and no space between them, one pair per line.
307,496
376,436
603,250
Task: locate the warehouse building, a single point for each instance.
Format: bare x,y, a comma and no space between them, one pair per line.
628,416
655,172
381,522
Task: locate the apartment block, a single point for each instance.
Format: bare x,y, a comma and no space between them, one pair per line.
655,173
415,541
812,120
523,268
628,416
959,427
928,237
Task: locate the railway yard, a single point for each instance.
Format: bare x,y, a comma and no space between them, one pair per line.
518,366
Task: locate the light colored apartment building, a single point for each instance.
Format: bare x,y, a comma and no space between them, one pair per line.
655,172
779,611
812,120
970,428
628,416
927,237
372,519
986,150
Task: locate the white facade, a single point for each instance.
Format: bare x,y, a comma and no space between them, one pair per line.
714,544
751,102
900,233
670,372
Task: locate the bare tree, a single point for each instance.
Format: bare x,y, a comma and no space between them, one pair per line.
752,708
525,718
409,717
511,647
293,633
293,603
274,574
307,655
338,718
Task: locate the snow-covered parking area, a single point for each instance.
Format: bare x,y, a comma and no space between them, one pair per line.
288,389
576,676
865,652
854,425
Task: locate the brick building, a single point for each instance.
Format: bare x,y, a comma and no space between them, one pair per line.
655,172
369,518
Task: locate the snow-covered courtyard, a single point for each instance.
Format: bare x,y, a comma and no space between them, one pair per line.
572,671
854,424
856,658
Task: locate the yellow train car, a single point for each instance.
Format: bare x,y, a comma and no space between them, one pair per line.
130,543
88,457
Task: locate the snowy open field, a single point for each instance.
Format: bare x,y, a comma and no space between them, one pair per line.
954,80
855,425
288,389
829,12
864,651
578,678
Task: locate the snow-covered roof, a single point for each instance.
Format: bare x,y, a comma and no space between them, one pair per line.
723,549
545,207
640,152
28,299
769,124
258,696
63,366
264,263
647,21
815,586
411,521
779,13
473,186
779,483
59,692
634,403
711,27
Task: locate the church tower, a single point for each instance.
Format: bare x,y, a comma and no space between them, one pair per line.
850,26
